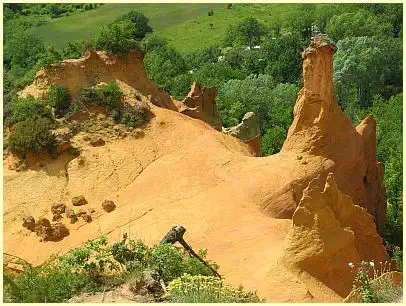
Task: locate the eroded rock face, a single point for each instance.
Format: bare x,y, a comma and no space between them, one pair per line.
328,233
62,139
95,68
320,128
248,131
200,104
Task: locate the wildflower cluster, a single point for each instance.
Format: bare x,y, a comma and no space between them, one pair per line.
374,288
207,289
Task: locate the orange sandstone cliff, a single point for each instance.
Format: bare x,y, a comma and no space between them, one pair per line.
278,224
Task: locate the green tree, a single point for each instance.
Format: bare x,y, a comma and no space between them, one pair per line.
247,33
139,22
364,66
357,24
117,38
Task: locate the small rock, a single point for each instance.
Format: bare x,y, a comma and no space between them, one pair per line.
62,139
58,208
71,215
29,223
91,210
81,212
79,201
97,142
87,218
108,205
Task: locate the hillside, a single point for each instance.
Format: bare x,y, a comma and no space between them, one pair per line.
251,213
58,32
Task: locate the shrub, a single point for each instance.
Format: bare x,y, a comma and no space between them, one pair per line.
132,116
139,22
28,108
58,99
32,135
207,289
91,95
112,95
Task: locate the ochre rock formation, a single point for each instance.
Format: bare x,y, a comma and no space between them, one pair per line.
248,131
97,67
200,104
328,233
183,171
320,128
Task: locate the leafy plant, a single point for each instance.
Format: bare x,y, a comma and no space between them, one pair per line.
91,95
112,95
28,108
58,99
32,135
133,116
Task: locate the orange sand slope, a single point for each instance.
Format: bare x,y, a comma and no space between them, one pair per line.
239,207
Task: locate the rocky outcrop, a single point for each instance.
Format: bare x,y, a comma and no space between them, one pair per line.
320,128
328,233
29,223
248,131
98,67
200,104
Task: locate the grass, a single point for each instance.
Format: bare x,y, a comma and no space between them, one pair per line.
84,25
187,27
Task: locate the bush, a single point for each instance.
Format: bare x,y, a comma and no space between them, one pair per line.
32,135
28,108
91,95
112,96
133,116
58,99
168,260
207,289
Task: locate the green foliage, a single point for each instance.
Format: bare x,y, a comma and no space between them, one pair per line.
357,24
207,289
133,116
273,104
272,141
58,98
31,135
283,57
28,108
380,287
75,49
91,95
248,32
366,66
117,38
163,64
153,41
112,96
139,22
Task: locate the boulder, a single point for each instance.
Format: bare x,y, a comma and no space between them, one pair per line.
97,141
62,139
87,217
43,228
58,208
108,205
79,201
71,215
59,231
29,223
